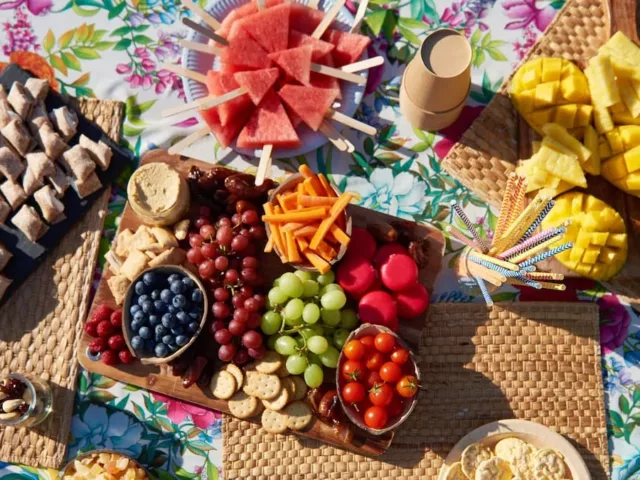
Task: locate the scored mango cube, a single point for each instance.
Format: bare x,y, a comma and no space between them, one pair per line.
584,239
603,148
632,159
599,238
630,135
591,255
615,168
591,221
583,115
526,100
566,115
545,94
632,182
575,89
540,117
530,79
576,205
576,254
615,141
583,269
551,69
617,240
607,255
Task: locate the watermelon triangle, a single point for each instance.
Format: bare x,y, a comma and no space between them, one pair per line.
269,125
310,103
257,82
269,27
305,19
295,62
220,83
349,46
224,134
320,47
244,50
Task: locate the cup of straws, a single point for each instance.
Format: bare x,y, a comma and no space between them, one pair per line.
511,256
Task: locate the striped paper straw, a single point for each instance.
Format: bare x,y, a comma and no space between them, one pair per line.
544,276
505,208
460,236
538,221
535,240
519,192
524,282
483,289
547,285
499,269
538,248
500,263
472,230
519,225
547,254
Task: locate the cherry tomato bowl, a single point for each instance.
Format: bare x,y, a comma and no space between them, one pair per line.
386,368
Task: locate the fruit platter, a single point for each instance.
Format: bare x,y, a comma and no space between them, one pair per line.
283,305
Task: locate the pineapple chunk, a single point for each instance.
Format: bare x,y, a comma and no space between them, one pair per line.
545,94
629,97
601,116
615,141
615,168
592,165
565,167
602,119
566,115
551,69
555,191
535,146
560,135
624,69
632,159
598,234
630,135
603,81
621,47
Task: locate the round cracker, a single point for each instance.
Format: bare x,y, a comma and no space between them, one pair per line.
298,415
223,385
290,385
548,464
493,469
270,363
274,422
265,387
279,402
518,453
455,472
236,372
301,387
242,405
472,456
282,371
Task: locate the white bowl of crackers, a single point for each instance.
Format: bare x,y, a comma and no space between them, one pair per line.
265,388
514,449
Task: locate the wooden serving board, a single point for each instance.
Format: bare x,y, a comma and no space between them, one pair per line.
158,379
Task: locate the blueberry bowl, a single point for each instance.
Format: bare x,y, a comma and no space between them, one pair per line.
165,309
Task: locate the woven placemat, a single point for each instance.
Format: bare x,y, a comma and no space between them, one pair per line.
488,150
533,361
42,321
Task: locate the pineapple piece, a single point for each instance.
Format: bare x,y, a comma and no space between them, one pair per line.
597,231
592,165
604,81
583,115
555,191
621,47
535,146
602,119
545,94
560,135
624,69
565,167
601,116
615,141
615,168
630,135
551,69
632,159
629,97
566,115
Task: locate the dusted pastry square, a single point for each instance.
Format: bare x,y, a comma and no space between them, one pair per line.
13,193
29,222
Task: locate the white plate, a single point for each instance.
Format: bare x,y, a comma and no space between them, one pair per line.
351,93
537,435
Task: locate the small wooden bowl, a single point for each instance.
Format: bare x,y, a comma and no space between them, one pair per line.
69,466
288,186
126,316
352,414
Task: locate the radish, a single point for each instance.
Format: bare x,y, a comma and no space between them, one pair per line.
356,276
412,302
399,272
379,308
362,244
385,251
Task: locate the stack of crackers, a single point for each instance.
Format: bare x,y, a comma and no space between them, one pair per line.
264,387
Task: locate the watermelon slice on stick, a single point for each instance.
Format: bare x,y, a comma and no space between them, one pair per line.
310,103
224,134
320,47
269,27
296,62
328,18
244,50
349,46
228,95
305,19
269,124
257,82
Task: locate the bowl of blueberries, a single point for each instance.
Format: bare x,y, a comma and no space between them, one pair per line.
164,310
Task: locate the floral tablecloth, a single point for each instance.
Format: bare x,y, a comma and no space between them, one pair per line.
113,49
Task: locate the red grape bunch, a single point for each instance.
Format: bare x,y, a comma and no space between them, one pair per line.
225,251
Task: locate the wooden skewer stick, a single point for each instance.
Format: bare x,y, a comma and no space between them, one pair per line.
215,101
189,140
351,122
186,107
203,14
177,69
363,64
207,32
336,72
329,16
334,136
313,4
264,167
200,47
360,13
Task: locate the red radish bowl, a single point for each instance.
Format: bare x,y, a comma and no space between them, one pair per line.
357,417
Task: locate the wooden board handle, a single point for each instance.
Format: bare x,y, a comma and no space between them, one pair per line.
625,18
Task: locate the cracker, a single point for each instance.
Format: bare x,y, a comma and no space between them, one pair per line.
270,363
290,386
279,402
274,422
455,472
518,453
236,372
246,387
548,464
301,387
223,385
242,405
282,371
298,415
493,469
266,387
472,456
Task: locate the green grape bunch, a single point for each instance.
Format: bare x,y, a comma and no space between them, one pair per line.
306,322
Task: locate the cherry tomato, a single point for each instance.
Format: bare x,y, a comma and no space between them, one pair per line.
407,387
376,417
368,342
374,361
372,378
384,342
354,350
390,372
353,392
381,395
353,370
400,356
395,408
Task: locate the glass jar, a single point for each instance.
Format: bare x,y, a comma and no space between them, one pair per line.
468,284
37,402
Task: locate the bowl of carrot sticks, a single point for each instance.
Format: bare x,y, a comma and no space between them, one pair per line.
307,222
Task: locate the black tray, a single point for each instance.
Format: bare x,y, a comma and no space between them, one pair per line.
27,255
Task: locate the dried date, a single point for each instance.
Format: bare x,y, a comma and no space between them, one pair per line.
419,251
329,407
194,371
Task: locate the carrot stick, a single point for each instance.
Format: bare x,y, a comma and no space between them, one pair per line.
304,215
306,231
314,180
292,227
303,244
340,235
310,188
275,229
318,262
300,188
305,171
282,203
335,211
269,246
326,251
309,201
327,186
292,250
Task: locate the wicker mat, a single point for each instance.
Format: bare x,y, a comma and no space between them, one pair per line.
534,361
42,321
488,150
